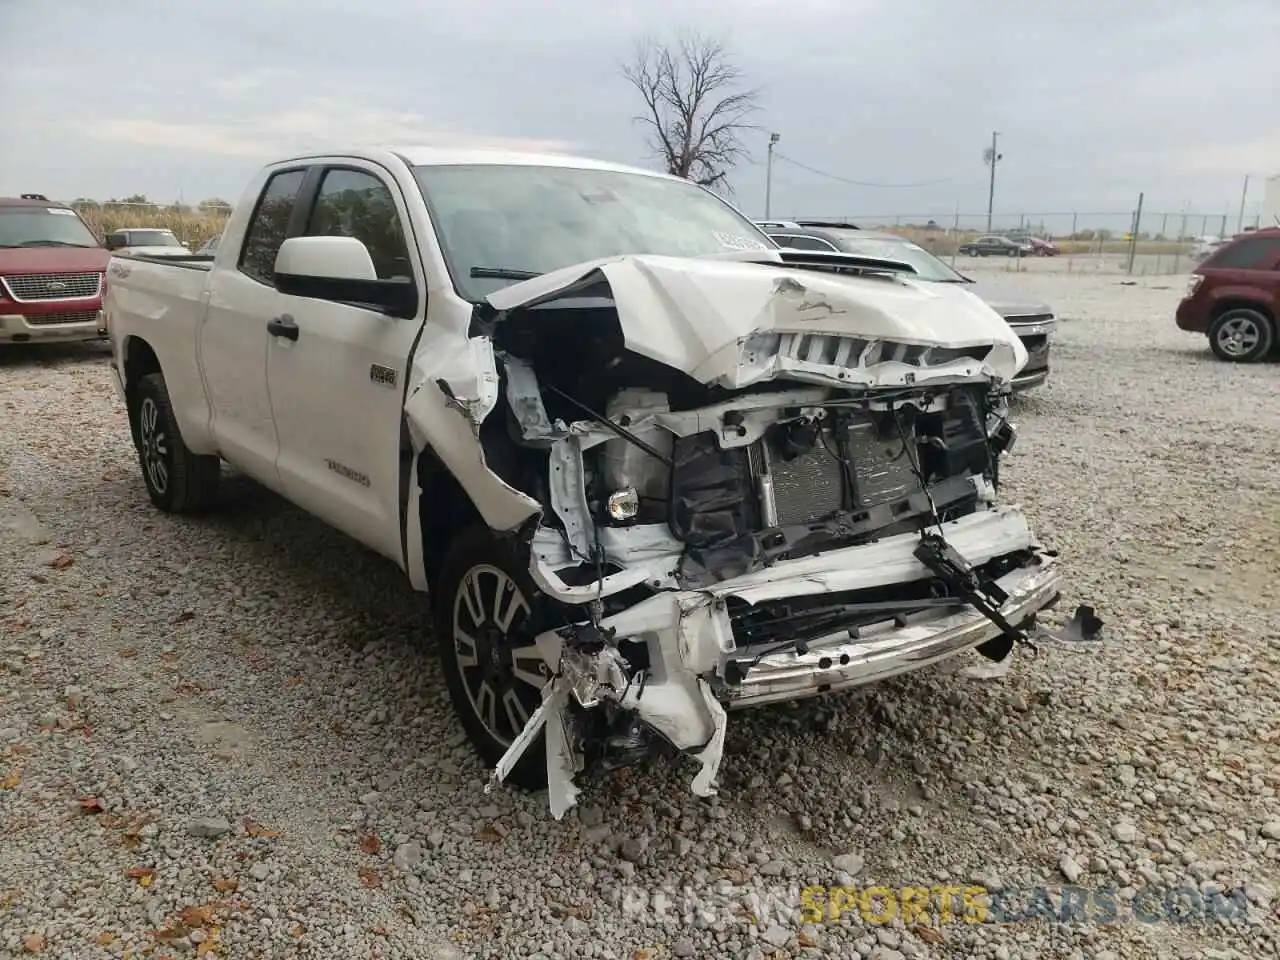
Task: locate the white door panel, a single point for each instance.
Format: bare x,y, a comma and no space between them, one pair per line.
337,390
233,356
338,419
233,336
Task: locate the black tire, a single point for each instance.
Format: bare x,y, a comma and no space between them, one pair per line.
477,562
178,481
1242,335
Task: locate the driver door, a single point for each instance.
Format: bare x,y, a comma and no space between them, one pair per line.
336,371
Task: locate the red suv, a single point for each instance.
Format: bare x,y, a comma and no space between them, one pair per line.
52,270
1234,297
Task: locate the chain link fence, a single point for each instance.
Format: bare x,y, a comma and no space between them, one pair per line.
1135,242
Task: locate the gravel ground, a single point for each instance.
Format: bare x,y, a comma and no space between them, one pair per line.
225,737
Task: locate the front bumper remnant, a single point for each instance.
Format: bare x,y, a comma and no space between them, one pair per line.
694,663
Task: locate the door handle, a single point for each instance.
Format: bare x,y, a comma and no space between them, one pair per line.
283,326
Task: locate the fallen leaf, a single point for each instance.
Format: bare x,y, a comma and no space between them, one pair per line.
196,916
225,885
642,954
33,942
255,829
90,805
488,834
928,934
370,843
174,931
298,931
144,875
106,939
62,561
370,877
184,616
128,653
805,940
12,780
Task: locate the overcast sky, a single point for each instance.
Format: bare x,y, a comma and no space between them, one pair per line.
1094,100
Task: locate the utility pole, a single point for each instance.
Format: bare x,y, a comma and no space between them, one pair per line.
1133,236
992,156
1243,196
768,174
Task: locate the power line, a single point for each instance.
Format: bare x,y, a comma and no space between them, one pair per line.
858,183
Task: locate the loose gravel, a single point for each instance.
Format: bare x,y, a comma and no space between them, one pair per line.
226,737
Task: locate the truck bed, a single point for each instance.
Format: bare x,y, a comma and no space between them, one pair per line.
193,262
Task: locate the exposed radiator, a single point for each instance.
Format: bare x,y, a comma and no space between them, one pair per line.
808,487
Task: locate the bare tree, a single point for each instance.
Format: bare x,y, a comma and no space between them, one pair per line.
695,107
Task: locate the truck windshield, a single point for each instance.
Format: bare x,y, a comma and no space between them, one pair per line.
511,221
152,238
43,227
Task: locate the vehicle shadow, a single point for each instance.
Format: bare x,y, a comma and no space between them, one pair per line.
52,354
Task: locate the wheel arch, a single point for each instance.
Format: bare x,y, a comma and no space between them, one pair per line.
1238,302
445,510
140,360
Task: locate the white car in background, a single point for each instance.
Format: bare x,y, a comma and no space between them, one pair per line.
153,242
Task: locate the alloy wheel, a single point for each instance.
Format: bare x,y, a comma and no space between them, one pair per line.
502,671
1239,336
155,445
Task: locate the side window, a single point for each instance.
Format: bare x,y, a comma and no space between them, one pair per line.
811,243
782,240
353,203
269,225
1256,253
117,239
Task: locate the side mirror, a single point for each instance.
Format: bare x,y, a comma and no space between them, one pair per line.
340,269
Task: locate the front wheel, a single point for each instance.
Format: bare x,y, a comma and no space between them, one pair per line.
178,481
487,613
1242,335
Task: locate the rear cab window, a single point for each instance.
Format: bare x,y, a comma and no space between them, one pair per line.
1249,253
270,225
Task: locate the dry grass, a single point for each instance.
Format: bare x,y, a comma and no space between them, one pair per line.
191,227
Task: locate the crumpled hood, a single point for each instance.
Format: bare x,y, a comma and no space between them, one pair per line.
713,317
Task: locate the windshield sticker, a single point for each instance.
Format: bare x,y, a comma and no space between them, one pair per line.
736,241
61,211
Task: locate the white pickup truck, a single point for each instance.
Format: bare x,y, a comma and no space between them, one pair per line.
650,467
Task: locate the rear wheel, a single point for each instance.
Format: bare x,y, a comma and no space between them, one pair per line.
178,481
487,614
1242,335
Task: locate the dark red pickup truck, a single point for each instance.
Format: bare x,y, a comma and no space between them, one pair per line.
1234,297
52,269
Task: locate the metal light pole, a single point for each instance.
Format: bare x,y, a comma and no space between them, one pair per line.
1243,196
992,156
768,174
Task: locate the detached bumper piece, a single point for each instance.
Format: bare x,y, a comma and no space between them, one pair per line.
900,642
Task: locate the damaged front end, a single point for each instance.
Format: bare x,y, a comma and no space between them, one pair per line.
757,485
